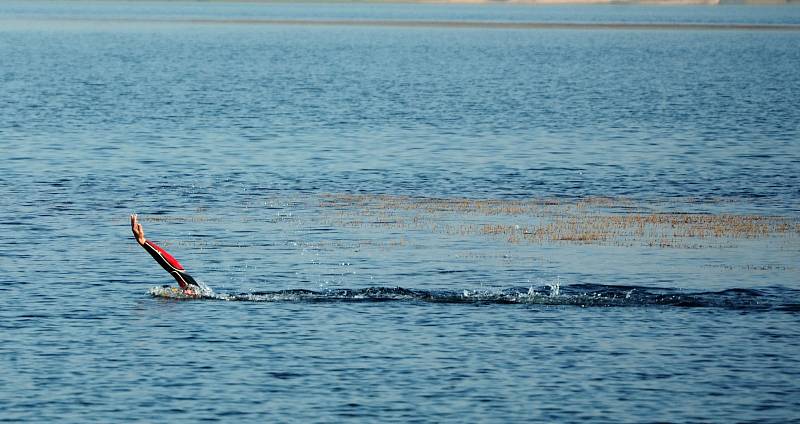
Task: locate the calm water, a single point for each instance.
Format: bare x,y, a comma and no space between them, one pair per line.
229,138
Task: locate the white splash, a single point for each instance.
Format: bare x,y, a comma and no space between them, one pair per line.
205,290
555,287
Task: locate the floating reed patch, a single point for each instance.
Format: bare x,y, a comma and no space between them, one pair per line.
591,220
751,267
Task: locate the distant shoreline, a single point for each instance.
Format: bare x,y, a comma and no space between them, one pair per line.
523,2
446,24
487,2
532,2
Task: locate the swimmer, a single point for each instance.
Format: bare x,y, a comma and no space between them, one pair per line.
189,286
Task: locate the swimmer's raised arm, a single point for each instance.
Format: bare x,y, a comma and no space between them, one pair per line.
170,264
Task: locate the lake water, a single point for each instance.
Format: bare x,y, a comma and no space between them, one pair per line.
394,219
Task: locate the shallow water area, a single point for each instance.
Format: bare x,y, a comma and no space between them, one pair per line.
400,223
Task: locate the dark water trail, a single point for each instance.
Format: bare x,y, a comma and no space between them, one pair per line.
582,295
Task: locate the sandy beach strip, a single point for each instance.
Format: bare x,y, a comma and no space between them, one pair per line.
449,24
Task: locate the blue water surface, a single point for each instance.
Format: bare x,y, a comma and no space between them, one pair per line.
227,139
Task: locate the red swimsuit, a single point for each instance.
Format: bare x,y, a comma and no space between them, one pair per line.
171,265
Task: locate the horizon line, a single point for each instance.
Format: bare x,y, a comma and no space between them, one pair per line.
442,24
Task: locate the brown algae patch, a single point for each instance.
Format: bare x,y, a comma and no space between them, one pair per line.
591,220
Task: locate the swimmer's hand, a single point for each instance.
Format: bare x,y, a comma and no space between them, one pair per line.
138,232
